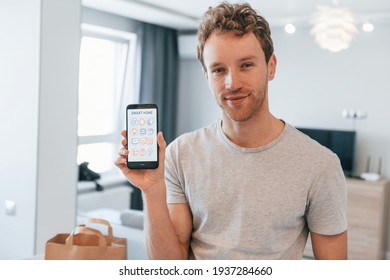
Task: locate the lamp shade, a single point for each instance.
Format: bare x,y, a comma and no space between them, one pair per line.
333,28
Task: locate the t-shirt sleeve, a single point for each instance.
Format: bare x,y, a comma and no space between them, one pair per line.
174,184
326,211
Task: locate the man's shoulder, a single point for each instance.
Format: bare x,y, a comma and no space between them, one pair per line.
312,157
300,139
308,149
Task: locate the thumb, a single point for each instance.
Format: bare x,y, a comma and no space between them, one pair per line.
162,144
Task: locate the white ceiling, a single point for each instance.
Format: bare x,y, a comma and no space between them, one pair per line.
185,14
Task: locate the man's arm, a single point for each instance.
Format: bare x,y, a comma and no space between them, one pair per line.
330,247
168,229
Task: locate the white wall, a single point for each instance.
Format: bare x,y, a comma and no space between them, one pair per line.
313,86
19,93
38,121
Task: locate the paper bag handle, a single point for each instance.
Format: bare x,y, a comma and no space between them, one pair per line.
103,222
87,230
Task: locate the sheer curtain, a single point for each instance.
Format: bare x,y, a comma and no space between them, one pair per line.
159,74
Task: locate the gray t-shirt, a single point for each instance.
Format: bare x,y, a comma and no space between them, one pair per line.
255,203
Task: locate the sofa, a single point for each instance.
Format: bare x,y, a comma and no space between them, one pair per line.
127,223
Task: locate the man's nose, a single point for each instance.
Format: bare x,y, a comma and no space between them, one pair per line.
233,81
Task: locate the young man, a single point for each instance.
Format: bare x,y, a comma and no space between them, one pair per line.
249,186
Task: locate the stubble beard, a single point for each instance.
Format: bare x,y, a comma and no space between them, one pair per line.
244,114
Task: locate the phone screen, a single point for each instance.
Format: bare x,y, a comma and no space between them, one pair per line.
142,128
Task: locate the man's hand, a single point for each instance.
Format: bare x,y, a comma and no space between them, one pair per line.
144,179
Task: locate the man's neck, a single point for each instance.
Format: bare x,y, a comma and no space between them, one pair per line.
256,132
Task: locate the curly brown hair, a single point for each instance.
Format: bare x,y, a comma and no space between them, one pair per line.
239,18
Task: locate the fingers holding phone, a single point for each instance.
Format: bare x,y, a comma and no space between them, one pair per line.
142,154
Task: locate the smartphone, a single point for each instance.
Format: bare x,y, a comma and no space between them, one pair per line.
142,128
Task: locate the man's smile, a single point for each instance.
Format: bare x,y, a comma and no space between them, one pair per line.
236,99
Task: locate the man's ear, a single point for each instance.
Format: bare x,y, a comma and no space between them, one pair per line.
272,67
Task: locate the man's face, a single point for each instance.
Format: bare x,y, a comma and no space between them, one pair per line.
238,74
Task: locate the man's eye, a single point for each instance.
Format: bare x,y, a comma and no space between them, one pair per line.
247,65
218,70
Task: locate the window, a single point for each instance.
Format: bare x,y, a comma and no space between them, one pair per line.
106,85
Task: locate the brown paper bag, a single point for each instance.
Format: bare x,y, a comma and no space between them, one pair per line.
86,243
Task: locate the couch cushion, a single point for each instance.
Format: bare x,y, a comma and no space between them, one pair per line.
132,218
111,215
